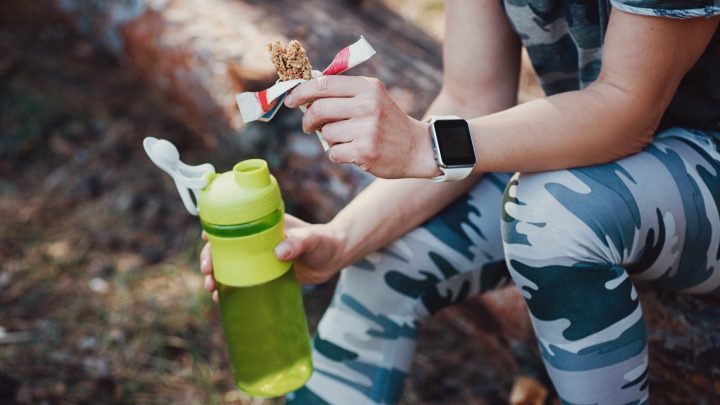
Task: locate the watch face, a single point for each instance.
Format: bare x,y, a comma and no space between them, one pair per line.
456,148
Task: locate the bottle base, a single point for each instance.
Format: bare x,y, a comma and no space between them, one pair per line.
280,383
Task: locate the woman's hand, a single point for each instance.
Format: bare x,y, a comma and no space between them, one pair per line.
364,126
318,252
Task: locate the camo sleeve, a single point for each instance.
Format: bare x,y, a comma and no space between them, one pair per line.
670,8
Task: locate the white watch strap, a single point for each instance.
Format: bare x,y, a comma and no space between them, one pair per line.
445,117
452,174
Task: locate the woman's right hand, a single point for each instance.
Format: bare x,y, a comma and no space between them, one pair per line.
318,252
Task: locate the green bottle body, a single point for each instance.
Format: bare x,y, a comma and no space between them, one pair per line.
261,306
269,346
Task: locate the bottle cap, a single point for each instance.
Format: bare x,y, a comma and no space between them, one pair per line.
244,194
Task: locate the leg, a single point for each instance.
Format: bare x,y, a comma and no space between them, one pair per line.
365,341
573,237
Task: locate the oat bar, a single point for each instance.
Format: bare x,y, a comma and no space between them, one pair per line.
291,62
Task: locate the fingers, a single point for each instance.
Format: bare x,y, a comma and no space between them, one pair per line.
339,132
343,153
206,269
325,86
209,283
327,110
204,236
215,296
205,260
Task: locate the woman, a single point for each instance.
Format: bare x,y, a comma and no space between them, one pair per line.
618,179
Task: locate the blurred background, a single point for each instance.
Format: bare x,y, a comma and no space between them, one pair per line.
101,300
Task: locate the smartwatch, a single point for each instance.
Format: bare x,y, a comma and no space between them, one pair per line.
453,147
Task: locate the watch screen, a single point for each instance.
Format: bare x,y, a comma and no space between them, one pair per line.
456,146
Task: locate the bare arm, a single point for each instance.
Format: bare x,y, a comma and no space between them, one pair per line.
614,117
481,58
644,59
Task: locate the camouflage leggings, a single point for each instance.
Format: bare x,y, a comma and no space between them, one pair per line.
571,239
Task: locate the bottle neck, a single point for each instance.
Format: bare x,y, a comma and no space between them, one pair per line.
245,229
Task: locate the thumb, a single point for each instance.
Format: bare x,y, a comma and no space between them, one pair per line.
292,222
297,241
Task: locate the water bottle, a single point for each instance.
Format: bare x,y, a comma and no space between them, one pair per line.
261,305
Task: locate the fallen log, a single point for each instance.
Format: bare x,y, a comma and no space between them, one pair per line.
199,53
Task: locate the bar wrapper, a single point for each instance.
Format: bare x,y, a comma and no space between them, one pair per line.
263,105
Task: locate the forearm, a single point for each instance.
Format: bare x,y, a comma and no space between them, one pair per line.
593,126
614,117
387,209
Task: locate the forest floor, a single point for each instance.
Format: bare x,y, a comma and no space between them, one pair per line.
101,298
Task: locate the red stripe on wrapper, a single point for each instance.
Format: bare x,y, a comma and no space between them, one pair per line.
340,63
258,105
264,105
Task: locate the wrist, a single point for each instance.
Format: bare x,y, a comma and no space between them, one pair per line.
338,231
425,163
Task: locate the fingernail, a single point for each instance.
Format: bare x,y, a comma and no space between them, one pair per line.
208,280
283,250
203,263
289,99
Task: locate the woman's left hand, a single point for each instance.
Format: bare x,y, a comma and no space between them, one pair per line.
364,126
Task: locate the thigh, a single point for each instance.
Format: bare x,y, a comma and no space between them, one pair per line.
654,213
573,239
675,187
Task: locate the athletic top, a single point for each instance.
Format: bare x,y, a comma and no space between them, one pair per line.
564,39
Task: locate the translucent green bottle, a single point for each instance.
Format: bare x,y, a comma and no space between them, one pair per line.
260,302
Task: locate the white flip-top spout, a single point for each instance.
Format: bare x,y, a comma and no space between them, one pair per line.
187,178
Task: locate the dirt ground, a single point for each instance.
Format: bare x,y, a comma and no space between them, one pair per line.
100,297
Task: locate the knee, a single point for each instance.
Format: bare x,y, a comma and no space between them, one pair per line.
564,229
572,215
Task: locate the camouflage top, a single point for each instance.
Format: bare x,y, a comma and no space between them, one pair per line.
564,40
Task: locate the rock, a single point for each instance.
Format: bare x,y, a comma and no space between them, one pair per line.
58,250
5,279
87,343
128,261
96,367
98,285
528,391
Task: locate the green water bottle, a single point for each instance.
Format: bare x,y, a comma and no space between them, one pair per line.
261,303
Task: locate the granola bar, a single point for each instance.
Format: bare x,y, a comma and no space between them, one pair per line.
291,62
